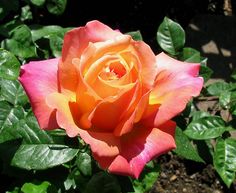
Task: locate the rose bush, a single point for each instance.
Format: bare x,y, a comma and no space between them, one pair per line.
114,93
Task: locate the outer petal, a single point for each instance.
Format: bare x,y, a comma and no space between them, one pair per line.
138,148
40,79
176,84
102,144
78,39
75,42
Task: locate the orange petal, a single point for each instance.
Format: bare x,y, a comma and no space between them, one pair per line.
102,144
131,117
107,114
148,67
75,42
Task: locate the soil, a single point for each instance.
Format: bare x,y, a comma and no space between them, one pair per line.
183,176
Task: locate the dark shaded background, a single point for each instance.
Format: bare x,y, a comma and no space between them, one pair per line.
130,15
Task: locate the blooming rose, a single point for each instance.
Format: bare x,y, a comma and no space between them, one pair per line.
114,93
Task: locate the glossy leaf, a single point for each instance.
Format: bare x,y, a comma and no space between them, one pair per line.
56,7
6,28
76,180
9,65
13,92
205,72
190,55
20,43
170,36
185,148
56,41
15,190
39,31
224,99
147,178
206,128
136,35
30,132
218,87
232,103
84,163
42,156
38,2
199,114
225,159
233,75
103,182
8,117
26,13
33,188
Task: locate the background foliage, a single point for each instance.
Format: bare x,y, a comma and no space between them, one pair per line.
31,159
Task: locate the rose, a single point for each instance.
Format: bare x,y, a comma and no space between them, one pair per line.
114,93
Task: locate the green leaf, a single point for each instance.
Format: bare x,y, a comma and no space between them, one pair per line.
33,188
199,114
6,28
224,99
185,148
9,65
215,89
56,41
42,156
233,75
15,190
75,180
147,178
190,55
13,92
225,159
38,2
205,72
84,163
6,6
232,103
29,130
206,128
26,13
8,117
136,35
170,36
56,7
39,31
228,101
103,182
20,43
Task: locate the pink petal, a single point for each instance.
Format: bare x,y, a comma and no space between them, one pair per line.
176,84
75,42
40,79
138,148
